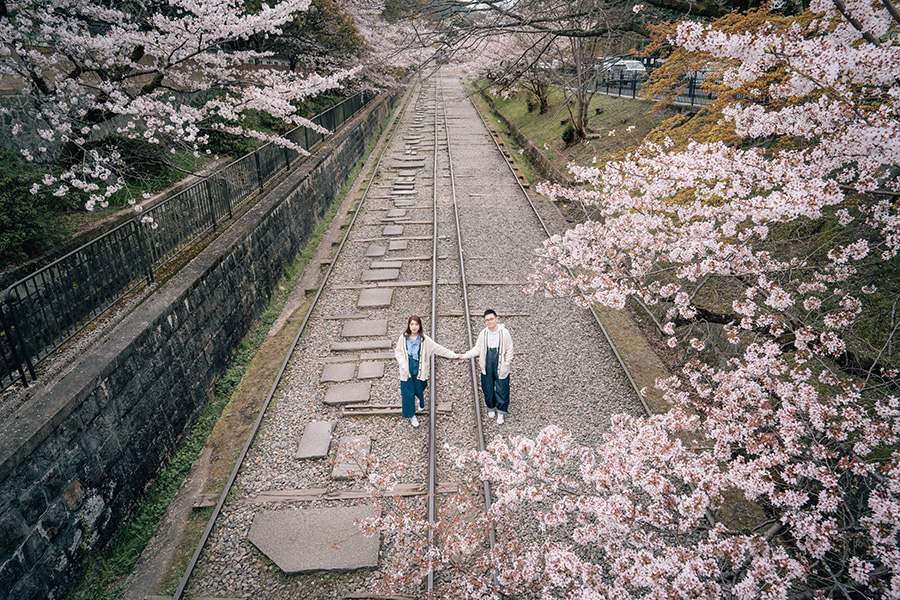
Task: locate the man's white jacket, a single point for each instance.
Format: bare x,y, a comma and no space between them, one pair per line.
506,352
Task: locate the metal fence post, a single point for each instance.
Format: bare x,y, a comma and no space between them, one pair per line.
12,348
258,169
211,203
144,248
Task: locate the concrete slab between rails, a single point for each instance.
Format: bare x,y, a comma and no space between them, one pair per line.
402,192
316,539
407,173
375,298
381,275
315,441
409,165
361,345
362,328
393,230
371,370
398,245
338,372
347,393
404,203
350,461
375,250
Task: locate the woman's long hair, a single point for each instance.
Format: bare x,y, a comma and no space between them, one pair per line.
418,320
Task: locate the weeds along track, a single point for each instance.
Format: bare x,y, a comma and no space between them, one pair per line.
443,231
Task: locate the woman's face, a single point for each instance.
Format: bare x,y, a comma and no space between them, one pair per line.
414,326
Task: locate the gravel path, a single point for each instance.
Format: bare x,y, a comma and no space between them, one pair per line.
563,372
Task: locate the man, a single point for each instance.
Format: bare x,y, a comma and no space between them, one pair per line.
494,348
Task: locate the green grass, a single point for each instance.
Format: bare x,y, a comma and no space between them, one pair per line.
615,114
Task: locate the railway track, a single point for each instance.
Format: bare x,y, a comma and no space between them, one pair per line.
441,231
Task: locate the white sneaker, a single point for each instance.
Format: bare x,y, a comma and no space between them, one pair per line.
499,419
414,421
491,414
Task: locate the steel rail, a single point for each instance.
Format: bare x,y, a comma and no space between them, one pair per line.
479,429
432,403
603,330
262,411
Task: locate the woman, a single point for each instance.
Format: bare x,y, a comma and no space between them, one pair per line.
413,349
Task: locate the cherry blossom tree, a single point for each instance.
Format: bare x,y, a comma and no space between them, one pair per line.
131,69
782,240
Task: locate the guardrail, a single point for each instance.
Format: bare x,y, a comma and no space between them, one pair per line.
690,94
44,310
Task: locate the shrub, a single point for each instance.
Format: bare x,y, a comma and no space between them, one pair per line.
568,135
28,223
138,158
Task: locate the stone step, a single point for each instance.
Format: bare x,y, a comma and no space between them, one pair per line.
315,441
350,461
375,298
347,393
316,539
364,327
375,250
337,372
393,230
398,245
371,370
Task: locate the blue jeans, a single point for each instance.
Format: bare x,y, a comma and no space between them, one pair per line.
496,390
411,389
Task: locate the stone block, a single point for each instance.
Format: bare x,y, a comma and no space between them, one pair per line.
338,372
347,393
316,539
393,230
350,461
375,250
364,327
315,441
371,370
393,213
398,245
375,298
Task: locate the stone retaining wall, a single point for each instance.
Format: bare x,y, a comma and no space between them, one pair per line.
76,459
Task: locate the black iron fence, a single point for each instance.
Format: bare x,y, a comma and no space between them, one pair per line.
44,310
689,94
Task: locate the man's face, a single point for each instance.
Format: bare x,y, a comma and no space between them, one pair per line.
491,322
